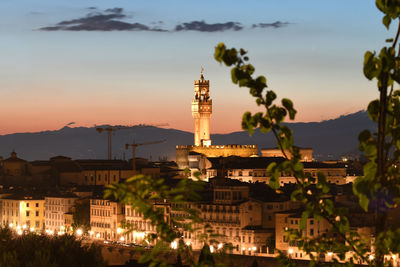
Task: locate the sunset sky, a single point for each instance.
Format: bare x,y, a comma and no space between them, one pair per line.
138,62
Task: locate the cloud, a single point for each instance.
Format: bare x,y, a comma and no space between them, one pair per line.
276,24
114,10
202,26
114,19
109,20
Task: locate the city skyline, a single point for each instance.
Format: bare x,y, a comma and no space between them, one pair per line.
143,72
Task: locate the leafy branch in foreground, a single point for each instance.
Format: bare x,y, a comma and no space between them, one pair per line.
146,195
312,192
378,189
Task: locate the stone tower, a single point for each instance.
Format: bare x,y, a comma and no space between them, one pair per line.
201,111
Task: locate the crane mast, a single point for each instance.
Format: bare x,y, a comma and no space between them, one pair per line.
111,129
135,145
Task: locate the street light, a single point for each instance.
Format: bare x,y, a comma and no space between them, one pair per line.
174,245
79,232
371,257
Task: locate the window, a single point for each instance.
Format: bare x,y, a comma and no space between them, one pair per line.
27,205
240,173
311,222
27,213
269,218
37,213
311,231
37,224
37,205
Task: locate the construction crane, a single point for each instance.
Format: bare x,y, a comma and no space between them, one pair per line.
134,146
111,129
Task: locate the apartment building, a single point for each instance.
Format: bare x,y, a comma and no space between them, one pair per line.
23,211
106,219
57,208
136,228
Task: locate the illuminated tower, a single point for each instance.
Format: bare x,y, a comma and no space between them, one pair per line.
201,111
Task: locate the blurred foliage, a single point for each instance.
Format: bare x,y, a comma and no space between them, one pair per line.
378,190
32,250
155,199
81,215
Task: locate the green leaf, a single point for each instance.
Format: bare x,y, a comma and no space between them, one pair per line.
219,52
386,20
271,96
370,65
373,110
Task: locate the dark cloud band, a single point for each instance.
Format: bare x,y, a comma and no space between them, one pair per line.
202,26
276,24
98,21
111,19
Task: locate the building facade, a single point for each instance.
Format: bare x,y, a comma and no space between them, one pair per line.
57,209
23,211
106,219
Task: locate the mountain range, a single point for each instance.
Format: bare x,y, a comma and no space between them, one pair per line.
330,139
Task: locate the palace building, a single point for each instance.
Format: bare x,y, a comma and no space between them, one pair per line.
201,112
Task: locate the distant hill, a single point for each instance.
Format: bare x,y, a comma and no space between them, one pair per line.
330,140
